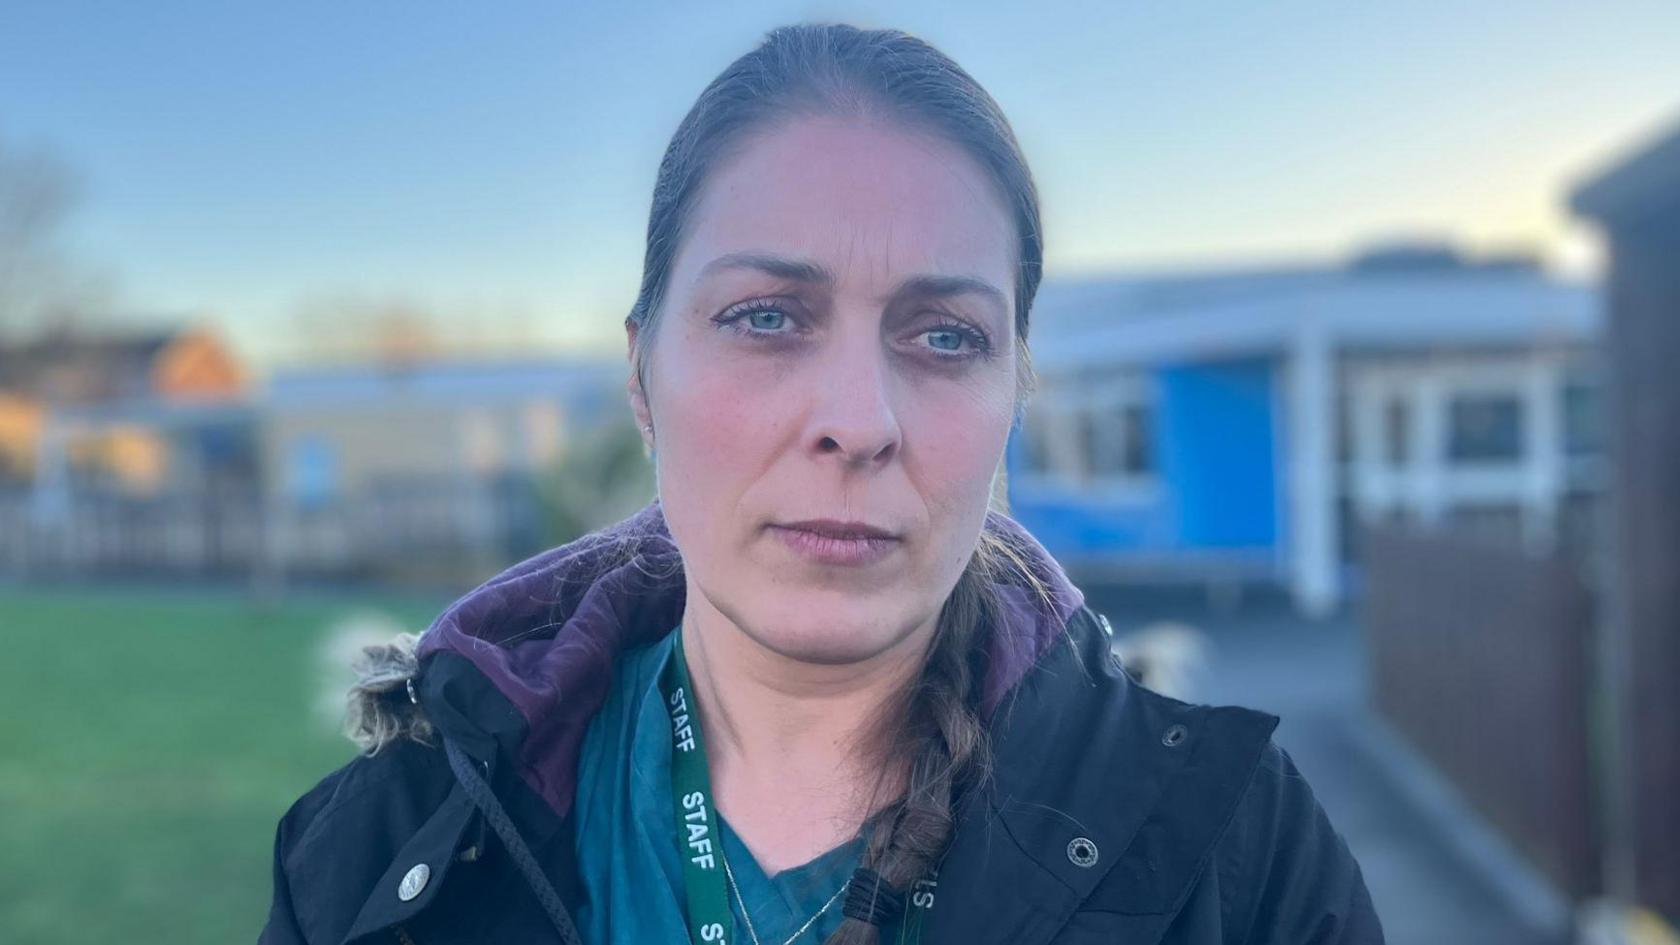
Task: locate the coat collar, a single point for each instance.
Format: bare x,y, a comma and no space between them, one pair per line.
460,705
1081,754
1105,796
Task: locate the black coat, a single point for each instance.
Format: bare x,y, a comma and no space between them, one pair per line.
1115,815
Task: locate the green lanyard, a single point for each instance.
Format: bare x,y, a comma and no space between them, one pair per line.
709,919
700,844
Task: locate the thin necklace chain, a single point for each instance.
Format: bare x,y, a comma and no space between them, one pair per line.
753,933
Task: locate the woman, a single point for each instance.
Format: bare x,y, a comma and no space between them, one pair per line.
817,691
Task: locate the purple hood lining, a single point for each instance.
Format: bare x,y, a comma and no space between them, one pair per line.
547,632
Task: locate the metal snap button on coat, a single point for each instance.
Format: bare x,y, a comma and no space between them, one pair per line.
413,881
1082,851
1175,736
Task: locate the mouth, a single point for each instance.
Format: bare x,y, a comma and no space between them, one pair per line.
830,541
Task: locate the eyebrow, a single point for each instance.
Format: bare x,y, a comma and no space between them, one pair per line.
806,271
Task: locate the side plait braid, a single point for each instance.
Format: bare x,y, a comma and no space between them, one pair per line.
944,738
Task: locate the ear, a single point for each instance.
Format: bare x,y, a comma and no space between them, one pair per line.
633,386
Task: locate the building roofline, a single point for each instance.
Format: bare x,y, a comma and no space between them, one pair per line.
1642,183
1375,315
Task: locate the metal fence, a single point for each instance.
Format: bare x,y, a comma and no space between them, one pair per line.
419,530
213,532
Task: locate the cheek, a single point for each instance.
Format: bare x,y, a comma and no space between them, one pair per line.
704,418
954,441
953,456
716,418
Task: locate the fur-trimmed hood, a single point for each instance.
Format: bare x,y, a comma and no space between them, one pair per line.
547,633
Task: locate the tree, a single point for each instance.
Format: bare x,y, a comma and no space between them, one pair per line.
37,285
602,477
392,331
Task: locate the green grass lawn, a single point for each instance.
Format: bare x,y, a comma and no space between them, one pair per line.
149,741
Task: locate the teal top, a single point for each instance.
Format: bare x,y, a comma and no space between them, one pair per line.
627,833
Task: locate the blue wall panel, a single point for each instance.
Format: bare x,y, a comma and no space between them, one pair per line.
1217,484
1070,525
1218,439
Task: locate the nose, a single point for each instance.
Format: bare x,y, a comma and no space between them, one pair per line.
854,418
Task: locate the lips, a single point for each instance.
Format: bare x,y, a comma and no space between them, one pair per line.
834,528
835,542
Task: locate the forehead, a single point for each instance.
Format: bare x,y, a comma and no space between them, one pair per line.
868,199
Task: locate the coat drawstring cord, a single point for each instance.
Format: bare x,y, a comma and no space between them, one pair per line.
478,790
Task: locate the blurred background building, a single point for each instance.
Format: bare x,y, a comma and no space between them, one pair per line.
1244,426
415,467
155,456
1637,646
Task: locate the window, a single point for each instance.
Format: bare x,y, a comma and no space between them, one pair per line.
1397,434
1092,436
313,470
1115,441
1088,437
1484,428
1344,429
1138,425
1583,419
1038,439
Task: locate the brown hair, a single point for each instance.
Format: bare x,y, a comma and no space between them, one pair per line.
813,69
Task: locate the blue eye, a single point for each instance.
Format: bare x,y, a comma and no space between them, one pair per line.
945,340
763,319
768,319
954,340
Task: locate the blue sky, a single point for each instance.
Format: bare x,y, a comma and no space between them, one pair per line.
492,162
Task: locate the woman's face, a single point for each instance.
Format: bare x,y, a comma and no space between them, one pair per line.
832,383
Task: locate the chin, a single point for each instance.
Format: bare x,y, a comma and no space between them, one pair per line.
817,629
